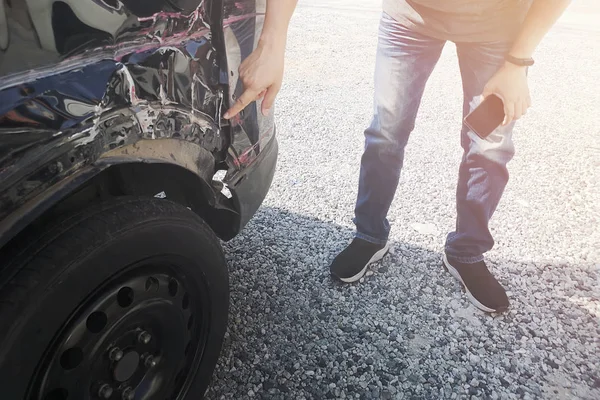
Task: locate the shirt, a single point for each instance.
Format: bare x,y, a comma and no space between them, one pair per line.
461,20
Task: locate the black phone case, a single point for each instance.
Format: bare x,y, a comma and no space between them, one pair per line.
491,107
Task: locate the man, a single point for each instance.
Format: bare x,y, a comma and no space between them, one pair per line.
495,40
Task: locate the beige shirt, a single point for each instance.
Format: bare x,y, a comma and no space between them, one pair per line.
461,20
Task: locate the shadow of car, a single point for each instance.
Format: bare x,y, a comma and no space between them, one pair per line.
118,177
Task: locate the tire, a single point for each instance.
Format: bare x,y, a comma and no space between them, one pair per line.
128,299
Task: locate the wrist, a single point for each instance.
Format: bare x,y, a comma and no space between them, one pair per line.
514,69
273,40
509,65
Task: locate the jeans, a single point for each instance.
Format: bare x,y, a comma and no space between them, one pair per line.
405,60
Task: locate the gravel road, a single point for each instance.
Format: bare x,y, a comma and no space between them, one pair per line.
407,331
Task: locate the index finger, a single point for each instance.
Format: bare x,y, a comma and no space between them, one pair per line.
246,98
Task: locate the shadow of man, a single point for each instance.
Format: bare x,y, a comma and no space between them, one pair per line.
405,331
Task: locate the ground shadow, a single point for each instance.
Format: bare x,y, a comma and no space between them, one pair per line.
405,332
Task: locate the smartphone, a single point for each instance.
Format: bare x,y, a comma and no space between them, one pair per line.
486,117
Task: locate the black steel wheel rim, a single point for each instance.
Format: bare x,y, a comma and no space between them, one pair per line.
140,336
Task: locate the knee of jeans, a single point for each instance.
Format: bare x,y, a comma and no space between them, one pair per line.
498,147
388,131
384,145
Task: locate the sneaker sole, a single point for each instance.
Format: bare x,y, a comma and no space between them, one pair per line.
376,257
471,298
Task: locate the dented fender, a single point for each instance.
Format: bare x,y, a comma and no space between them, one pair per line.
90,84
106,83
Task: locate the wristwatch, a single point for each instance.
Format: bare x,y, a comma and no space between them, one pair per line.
521,62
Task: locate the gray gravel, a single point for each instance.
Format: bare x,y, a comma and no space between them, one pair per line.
407,331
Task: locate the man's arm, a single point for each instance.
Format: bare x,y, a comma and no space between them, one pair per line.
542,15
262,71
510,82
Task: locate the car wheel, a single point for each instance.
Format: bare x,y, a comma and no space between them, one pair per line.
127,300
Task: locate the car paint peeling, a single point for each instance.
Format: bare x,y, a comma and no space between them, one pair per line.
154,85
117,93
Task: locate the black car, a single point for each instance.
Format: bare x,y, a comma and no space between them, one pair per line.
118,177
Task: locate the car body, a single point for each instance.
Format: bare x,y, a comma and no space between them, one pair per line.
118,175
83,107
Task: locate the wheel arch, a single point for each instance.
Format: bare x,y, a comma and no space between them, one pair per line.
169,168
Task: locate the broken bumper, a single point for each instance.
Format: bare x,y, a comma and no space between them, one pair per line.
253,186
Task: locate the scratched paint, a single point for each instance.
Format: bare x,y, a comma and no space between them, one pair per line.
84,80
79,79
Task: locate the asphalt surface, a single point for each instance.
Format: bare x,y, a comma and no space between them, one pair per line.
407,331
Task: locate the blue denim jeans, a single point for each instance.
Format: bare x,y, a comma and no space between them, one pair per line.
405,60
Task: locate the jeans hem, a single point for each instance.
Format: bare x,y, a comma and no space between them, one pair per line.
371,239
464,259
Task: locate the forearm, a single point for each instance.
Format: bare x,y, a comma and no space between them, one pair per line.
542,15
277,20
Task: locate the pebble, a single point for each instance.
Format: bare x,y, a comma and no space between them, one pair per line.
294,332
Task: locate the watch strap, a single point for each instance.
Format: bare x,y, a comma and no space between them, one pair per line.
522,62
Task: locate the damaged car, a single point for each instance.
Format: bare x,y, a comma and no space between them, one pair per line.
118,180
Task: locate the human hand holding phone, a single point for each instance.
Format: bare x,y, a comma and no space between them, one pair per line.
510,85
486,117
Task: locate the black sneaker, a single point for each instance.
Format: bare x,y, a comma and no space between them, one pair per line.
483,290
352,263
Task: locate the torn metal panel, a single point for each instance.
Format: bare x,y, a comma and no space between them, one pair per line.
88,84
82,79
